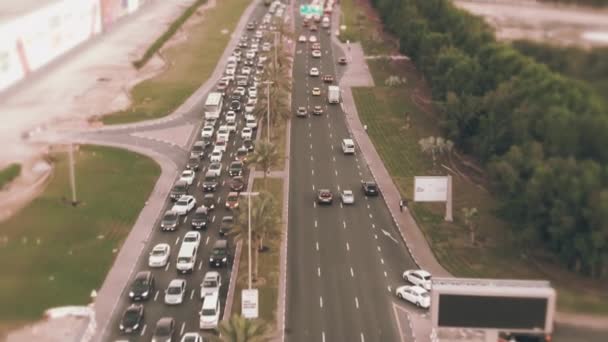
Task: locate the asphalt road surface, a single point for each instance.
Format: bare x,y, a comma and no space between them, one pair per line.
344,261
186,315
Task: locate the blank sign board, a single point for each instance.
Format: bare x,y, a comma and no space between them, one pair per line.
430,189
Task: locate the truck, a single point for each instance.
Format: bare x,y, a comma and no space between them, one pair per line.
333,94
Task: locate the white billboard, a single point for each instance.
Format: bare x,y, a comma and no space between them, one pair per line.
430,189
249,303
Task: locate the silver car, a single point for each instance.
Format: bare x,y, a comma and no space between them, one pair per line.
347,197
174,294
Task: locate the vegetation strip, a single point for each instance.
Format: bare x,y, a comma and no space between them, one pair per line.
9,173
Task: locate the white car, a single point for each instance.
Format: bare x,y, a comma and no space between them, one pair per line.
216,156
414,294
254,47
207,132
247,133
220,145
259,34
187,176
174,294
230,116
347,197
316,53
302,39
192,238
314,72
251,121
239,91
262,59
212,282
316,91
312,39
266,47
215,169
245,70
250,54
223,133
159,256
250,107
210,122
231,127
184,204
192,337
252,91
421,278
230,71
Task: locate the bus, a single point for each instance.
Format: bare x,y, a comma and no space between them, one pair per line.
213,105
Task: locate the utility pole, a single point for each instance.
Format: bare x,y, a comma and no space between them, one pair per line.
72,173
268,83
249,194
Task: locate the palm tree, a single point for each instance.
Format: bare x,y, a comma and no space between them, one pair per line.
264,156
279,106
240,329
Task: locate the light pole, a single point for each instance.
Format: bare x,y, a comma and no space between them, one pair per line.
249,194
268,83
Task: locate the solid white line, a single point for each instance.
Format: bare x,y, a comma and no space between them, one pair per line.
347,247
319,272
315,223
352,273
192,294
321,301
156,295
167,267
177,240
143,330
357,302
382,261
317,246
181,331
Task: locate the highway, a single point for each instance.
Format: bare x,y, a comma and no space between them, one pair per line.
186,315
344,262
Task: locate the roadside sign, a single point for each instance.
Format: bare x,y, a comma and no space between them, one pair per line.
249,303
311,10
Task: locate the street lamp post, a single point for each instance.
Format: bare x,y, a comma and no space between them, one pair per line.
249,194
268,83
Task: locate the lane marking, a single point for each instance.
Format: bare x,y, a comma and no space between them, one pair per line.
317,245
143,330
167,267
213,219
207,241
376,236
200,266
367,205
379,249
390,290
357,302
341,206
314,204
156,295
311,158
336,172
323,336
313,187
334,159
311,146
385,274
218,200
362,338
339,188
344,224
315,223
181,331
313,172
177,240
373,225
382,261
319,272
332,147
371,216
192,294
321,301
352,273
347,247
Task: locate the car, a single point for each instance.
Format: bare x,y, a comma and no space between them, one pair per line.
212,282
220,145
142,286
249,63
317,18
316,53
247,133
324,196
226,225
198,150
328,78
347,197
250,54
220,255
192,337
305,22
174,294
230,71
237,183
370,188
342,61
251,121
215,168
193,238
222,85
132,318
232,201
184,205
241,154
302,39
207,132
230,116
262,59
159,255
414,294
210,182
252,91
194,164
250,106
317,110
314,72
235,106
164,330
231,127
313,28
316,46
169,221
245,70
179,189
249,145
223,133
216,156
243,44
316,91
302,112
200,219
209,201
210,122
235,168
266,47
421,278
250,27
187,176
312,39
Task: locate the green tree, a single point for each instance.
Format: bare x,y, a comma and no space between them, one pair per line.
264,157
470,216
240,329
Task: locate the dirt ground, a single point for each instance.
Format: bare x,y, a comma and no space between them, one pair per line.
556,24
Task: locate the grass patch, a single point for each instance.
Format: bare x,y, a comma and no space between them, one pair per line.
268,263
497,255
53,254
9,173
363,25
191,63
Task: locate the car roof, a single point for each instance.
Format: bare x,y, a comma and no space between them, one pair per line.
177,282
422,273
143,274
347,192
161,246
418,289
211,274
208,196
201,209
221,243
165,321
191,233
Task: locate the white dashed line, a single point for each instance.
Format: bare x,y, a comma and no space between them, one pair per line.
347,247
319,271
213,218
362,338
339,188
371,216
336,172
332,147
323,336
200,266
181,331
207,241
385,274
367,205
315,223
167,267
389,289
314,204
341,206
382,261
313,187
334,159
191,294
375,236
218,200
379,249
143,330
344,224
156,296
373,225
311,158
311,146
357,302
317,245
352,273
313,172
321,301
177,240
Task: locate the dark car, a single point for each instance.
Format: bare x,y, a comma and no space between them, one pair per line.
142,286
200,218
324,196
209,201
210,183
237,183
220,255
198,150
243,44
250,27
180,188
226,225
235,106
207,142
193,164
342,61
248,62
317,110
241,154
236,97
328,78
169,221
164,330
249,145
132,318
370,188
235,169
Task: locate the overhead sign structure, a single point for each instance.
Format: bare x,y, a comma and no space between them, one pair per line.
311,10
249,303
435,189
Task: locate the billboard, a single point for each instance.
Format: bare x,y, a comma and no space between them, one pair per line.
249,303
430,189
515,306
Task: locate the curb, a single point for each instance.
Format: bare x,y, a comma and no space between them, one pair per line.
233,275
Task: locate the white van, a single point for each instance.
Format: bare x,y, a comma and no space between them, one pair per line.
186,258
348,146
210,312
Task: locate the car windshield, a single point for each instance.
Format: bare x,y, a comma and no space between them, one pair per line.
179,187
183,260
182,202
210,283
424,294
227,220
131,316
241,152
170,217
371,186
162,330
197,148
232,198
208,200
190,239
174,290
140,284
193,160
209,178
189,339
214,166
199,215
219,252
158,252
208,312
426,278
